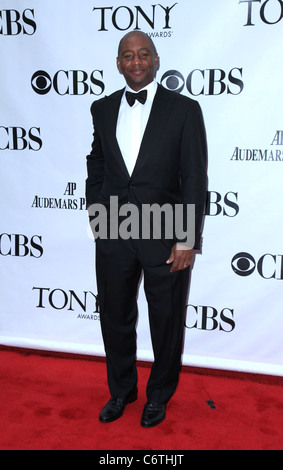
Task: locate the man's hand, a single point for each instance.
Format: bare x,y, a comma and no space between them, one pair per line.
180,257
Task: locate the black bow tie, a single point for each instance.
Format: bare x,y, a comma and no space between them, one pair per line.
132,97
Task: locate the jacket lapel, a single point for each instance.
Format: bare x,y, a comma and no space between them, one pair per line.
157,120
111,116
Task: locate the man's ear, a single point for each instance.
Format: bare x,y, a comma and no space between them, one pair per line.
118,64
157,62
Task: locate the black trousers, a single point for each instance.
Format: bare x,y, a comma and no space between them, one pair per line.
119,265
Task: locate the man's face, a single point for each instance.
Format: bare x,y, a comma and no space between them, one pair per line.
137,61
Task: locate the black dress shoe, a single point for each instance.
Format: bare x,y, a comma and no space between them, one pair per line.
115,408
153,414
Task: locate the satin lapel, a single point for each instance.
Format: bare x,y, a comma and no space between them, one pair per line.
111,116
157,120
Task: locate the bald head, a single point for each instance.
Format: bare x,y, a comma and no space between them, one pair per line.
137,34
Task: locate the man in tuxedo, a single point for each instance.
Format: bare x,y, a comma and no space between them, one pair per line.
149,147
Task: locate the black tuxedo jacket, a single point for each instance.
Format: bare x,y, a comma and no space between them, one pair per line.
171,165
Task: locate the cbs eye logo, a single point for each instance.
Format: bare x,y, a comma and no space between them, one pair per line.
243,264
41,82
173,80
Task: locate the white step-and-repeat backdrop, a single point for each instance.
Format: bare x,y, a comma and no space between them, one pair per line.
57,57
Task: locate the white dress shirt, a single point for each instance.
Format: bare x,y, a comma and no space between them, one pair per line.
131,124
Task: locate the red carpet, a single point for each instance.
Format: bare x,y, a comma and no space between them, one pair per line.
51,403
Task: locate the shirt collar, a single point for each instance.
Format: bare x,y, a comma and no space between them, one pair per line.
151,90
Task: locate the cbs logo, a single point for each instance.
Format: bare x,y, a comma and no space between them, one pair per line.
268,266
209,82
68,82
